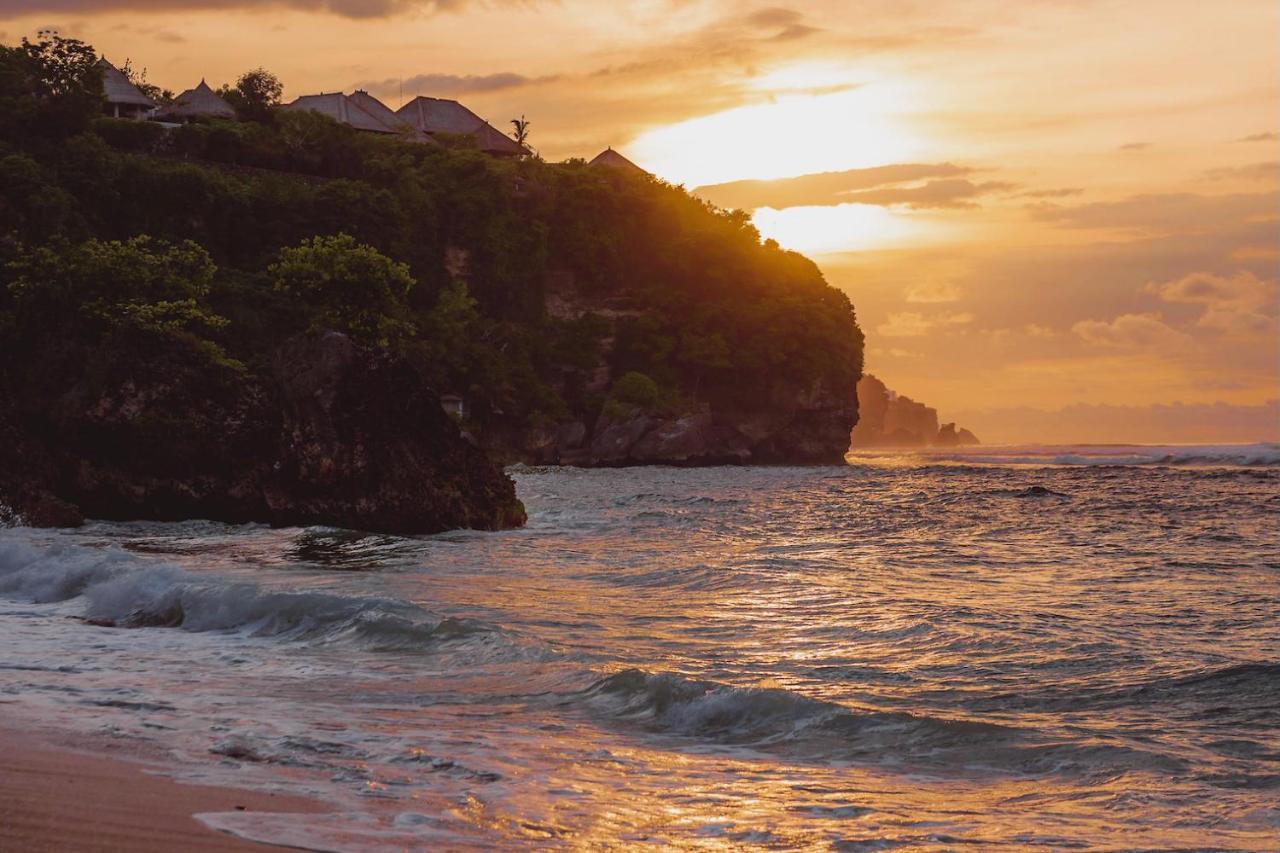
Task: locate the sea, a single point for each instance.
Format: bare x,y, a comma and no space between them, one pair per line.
1059,648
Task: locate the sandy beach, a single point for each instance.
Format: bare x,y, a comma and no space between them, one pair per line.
83,798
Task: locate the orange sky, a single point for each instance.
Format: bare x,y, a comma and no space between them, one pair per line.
1033,204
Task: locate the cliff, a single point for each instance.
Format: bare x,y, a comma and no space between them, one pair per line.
258,320
889,419
570,314
335,434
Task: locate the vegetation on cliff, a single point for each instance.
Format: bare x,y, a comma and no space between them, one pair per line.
127,241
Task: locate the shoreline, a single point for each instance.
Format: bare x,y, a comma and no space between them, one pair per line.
84,797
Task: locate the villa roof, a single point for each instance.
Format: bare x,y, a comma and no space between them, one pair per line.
387,116
441,115
200,101
376,108
118,89
613,160
494,141
340,108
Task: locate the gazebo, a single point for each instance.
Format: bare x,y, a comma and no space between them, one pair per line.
200,102
124,100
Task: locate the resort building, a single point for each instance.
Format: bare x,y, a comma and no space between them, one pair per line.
124,100
200,102
440,117
378,110
611,159
344,110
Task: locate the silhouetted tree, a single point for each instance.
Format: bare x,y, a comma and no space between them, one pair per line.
138,77
51,86
521,132
255,94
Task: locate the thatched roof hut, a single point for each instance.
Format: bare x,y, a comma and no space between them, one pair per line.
342,109
124,100
613,160
435,116
200,102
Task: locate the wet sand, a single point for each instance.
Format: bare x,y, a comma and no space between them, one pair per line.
53,797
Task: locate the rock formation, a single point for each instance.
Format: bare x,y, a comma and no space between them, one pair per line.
338,435
888,419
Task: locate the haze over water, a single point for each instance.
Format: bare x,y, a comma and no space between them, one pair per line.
1065,648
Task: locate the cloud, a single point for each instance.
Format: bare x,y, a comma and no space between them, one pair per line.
1173,423
1268,172
775,16
1135,146
1167,212
344,8
911,324
452,84
1242,304
932,292
1130,331
1260,137
1060,192
953,193
825,188
793,32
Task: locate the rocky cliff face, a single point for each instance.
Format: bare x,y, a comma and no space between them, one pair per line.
777,422
337,435
809,427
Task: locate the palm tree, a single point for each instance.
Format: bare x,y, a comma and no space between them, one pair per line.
521,126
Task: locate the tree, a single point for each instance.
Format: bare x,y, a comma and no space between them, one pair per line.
138,77
255,94
521,132
49,87
141,283
347,286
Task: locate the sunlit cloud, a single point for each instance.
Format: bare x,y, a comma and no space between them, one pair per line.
912,324
790,135
844,227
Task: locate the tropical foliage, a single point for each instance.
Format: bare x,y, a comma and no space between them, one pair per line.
232,235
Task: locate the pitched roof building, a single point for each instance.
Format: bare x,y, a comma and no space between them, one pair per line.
613,160
343,110
124,100
435,116
197,103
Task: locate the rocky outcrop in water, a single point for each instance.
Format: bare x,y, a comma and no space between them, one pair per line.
333,434
889,419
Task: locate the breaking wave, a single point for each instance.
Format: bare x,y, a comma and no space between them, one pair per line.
776,720
121,590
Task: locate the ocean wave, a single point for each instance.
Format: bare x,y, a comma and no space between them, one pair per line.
1237,689
124,591
776,720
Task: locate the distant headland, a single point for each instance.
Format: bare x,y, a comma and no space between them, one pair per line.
889,419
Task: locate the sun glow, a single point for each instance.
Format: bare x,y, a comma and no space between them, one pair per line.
841,228
803,127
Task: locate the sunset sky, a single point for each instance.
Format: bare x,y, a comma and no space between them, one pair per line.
1033,205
